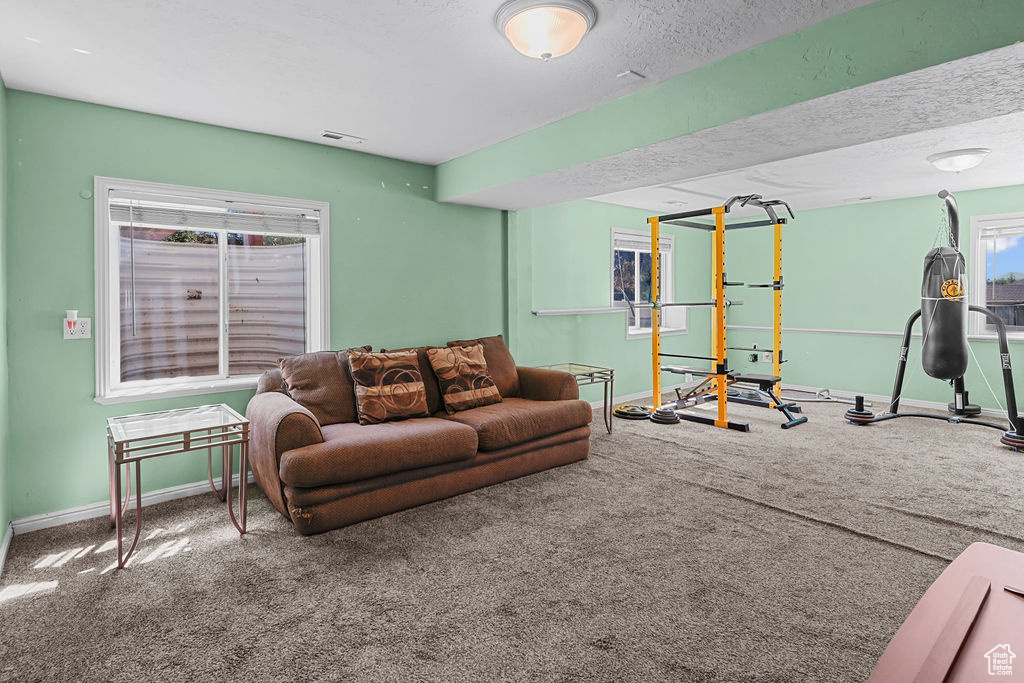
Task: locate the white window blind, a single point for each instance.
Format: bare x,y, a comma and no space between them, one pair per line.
622,240
230,216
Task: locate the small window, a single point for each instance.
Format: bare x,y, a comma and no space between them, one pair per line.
199,290
631,281
997,245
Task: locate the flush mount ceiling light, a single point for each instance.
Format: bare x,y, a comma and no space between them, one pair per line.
545,29
959,159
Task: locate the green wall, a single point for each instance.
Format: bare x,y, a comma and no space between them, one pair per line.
560,257
854,268
858,268
399,262
5,511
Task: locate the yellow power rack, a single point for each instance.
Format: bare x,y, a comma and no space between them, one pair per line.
718,379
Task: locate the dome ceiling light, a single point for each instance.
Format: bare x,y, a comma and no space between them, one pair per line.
959,159
545,29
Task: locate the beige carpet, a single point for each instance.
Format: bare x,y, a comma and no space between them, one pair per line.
676,553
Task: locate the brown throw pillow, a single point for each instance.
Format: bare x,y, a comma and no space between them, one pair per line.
462,373
434,402
500,364
389,386
320,382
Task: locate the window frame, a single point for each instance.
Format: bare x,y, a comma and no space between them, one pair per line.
109,387
977,295
666,271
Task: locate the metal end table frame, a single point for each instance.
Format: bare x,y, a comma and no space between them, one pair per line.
133,451
592,374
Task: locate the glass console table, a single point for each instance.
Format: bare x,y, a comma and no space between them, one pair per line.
592,374
133,438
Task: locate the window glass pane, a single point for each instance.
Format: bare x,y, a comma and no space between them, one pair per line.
169,322
623,281
266,301
645,280
1004,280
663,262
623,284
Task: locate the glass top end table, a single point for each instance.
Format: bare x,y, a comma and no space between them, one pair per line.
169,422
133,438
591,374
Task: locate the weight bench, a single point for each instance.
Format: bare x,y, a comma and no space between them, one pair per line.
765,385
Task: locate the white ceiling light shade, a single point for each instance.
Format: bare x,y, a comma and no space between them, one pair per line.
959,159
545,29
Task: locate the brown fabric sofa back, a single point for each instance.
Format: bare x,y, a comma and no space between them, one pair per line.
321,382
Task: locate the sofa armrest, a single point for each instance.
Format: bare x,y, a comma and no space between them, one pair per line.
277,424
542,384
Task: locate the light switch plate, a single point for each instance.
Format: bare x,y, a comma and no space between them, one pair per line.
82,329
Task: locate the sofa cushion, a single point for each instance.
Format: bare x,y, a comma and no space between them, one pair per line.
462,374
320,382
354,452
434,401
389,386
500,364
517,420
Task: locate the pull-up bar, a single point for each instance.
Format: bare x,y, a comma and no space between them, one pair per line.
693,304
710,227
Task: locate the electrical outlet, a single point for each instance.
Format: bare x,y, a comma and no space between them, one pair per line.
81,330
767,357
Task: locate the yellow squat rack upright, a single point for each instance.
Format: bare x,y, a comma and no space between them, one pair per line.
760,389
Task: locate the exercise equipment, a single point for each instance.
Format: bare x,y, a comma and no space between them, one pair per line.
665,415
820,396
716,381
630,412
944,349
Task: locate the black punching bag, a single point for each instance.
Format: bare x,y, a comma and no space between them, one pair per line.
944,314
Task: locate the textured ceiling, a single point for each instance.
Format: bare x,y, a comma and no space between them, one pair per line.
972,89
874,171
422,80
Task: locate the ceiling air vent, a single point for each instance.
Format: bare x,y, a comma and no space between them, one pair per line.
343,137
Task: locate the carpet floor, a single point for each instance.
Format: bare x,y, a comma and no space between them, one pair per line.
675,553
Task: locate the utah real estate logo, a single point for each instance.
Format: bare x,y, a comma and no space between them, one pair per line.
1000,660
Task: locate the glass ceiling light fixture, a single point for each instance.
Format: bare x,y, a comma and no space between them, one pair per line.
545,29
959,159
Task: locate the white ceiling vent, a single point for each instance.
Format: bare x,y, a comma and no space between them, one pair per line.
343,137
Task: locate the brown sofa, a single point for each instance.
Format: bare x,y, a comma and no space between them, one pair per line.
323,470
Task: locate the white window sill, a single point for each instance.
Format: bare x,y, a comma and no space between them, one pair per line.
646,334
152,392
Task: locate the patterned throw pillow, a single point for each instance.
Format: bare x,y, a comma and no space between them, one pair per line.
462,372
389,386
501,366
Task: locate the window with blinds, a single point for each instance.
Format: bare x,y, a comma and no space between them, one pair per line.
631,280
997,280
204,290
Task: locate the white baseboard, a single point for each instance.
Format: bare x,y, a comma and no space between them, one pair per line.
884,400
877,399
620,400
5,546
101,509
